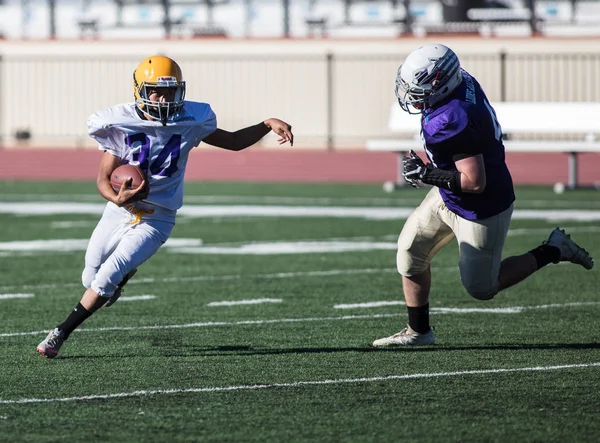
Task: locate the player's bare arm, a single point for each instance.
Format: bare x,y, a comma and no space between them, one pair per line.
243,138
472,174
108,163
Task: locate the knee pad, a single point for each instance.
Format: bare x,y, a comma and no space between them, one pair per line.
100,290
87,276
406,264
481,292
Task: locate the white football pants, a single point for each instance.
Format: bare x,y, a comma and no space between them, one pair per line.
122,240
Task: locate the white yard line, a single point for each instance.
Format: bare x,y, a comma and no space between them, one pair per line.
289,248
269,200
73,244
371,304
545,231
9,296
255,301
136,298
199,278
298,384
300,246
364,212
69,224
507,310
210,324
510,310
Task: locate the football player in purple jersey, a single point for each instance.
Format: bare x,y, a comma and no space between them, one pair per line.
472,195
155,132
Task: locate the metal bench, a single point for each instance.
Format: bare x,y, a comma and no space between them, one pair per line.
577,120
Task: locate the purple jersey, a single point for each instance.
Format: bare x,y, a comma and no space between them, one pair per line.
462,127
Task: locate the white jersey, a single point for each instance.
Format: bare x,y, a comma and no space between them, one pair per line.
160,151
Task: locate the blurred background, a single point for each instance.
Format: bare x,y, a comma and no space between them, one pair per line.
103,19
326,66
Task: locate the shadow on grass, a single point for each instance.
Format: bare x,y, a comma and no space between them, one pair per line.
179,350
251,350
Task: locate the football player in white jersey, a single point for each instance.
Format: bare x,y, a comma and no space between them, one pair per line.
156,133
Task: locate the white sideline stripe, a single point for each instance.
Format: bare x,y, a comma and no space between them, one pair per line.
507,310
226,277
76,244
137,298
362,242
68,224
373,304
510,310
282,200
209,324
255,301
7,296
376,304
362,212
545,231
195,246
297,247
298,384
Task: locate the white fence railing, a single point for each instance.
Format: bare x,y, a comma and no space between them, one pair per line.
334,97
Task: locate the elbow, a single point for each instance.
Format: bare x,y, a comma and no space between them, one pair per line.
100,180
474,187
102,183
477,187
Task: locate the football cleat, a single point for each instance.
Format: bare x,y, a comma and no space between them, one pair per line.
51,345
406,337
119,289
569,250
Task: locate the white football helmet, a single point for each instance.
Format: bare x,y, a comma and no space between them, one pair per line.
427,76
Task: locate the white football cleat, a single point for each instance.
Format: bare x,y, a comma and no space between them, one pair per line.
51,345
569,250
119,289
406,337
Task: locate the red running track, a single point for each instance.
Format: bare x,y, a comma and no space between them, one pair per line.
286,165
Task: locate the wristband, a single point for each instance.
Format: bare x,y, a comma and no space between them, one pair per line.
441,178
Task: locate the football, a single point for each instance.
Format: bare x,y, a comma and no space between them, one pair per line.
123,173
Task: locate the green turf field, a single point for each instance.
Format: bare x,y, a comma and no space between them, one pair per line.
177,359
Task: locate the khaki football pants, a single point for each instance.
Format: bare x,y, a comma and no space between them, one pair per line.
432,225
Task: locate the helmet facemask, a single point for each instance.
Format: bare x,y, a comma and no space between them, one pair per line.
162,111
412,99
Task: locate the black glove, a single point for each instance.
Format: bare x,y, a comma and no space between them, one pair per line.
413,169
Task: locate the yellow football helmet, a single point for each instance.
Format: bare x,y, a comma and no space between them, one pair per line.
154,72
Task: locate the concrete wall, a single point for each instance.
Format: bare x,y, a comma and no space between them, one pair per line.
334,93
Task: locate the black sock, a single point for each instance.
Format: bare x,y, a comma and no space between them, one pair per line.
545,254
418,318
78,316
